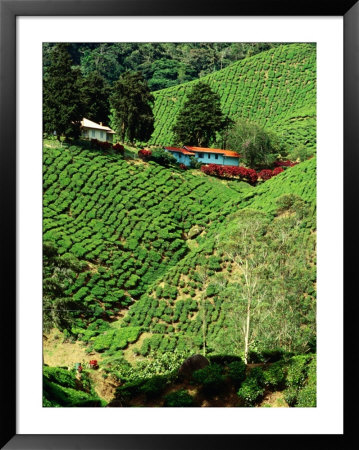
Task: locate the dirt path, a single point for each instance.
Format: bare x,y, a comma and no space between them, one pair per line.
57,353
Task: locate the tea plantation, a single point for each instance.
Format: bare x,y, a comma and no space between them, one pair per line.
150,271
146,264
126,221
275,88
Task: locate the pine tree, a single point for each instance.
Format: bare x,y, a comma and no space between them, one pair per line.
95,93
62,103
200,117
132,104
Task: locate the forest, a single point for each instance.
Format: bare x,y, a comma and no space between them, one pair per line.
172,285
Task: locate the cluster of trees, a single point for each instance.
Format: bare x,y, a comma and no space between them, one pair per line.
201,122
162,64
68,96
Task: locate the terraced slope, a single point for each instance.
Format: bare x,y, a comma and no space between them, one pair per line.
127,221
281,247
276,88
150,245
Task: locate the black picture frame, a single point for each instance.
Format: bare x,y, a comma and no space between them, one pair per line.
9,10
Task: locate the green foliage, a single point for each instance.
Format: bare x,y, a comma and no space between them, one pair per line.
301,381
251,390
199,118
274,376
132,102
258,147
163,157
153,386
237,372
62,101
180,399
59,272
210,377
134,245
298,371
95,94
116,339
61,389
284,103
163,64
300,153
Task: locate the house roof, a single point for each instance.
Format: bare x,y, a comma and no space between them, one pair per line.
213,150
89,124
180,150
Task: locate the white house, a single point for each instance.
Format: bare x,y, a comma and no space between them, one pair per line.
93,130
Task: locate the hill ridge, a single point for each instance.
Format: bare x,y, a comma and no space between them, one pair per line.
269,88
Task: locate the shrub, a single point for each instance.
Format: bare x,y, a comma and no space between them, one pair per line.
154,386
252,388
119,148
237,372
265,174
209,377
297,370
163,157
290,396
145,155
307,397
179,398
194,163
274,376
250,391
128,390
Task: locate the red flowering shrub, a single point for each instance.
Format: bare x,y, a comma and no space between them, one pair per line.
285,163
277,170
182,166
252,176
95,143
211,169
119,148
105,145
145,155
265,174
243,173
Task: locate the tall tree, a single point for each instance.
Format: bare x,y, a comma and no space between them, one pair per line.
258,147
132,103
62,103
200,117
95,93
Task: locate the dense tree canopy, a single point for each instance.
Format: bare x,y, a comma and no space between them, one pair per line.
62,102
132,103
95,95
258,147
163,64
200,118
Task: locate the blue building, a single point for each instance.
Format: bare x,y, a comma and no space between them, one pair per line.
205,155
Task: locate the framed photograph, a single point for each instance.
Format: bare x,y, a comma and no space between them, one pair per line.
174,180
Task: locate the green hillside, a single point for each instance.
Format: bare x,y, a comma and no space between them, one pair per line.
147,265
120,225
276,239
276,88
136,230
62,388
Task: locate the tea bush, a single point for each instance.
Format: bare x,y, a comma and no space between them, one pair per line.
285,102
237,372
179,399
210,377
